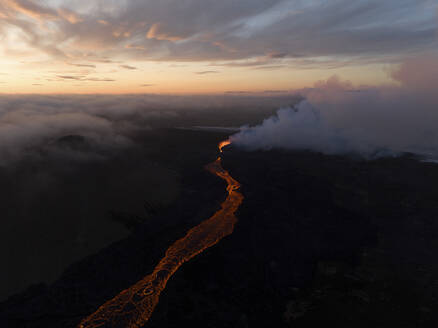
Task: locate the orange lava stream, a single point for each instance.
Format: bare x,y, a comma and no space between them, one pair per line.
133,307
224,143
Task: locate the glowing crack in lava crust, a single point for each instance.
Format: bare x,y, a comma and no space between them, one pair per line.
133,307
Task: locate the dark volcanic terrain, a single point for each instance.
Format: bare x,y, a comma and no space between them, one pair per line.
321,241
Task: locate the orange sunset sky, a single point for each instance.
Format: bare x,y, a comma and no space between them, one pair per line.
205,46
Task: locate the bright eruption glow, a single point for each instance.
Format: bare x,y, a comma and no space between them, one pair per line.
134,306
223,144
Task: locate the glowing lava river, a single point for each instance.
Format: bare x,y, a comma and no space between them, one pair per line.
134,306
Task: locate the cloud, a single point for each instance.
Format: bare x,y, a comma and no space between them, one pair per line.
70,77
206,72
69,15
251,33
238,92
83,65
419,73
83,78
337,118
128,67
21,130
276,91
31,9
96,79
156,33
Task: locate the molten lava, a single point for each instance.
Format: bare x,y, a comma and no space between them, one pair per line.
224,143
133,307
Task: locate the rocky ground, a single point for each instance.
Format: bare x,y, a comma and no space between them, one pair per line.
321,240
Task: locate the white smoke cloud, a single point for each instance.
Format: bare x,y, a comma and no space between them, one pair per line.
337,119
297,127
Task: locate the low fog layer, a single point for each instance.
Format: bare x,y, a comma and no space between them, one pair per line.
336,118
36,121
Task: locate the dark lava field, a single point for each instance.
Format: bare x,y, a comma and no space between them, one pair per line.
321,241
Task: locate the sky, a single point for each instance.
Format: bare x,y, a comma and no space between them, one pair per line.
207,46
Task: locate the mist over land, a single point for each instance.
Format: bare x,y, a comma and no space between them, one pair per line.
109,120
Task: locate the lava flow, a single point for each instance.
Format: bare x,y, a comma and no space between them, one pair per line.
224,143
133,307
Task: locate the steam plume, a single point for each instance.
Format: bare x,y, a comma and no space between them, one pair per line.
336,119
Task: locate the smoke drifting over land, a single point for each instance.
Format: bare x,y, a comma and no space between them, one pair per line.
335,118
